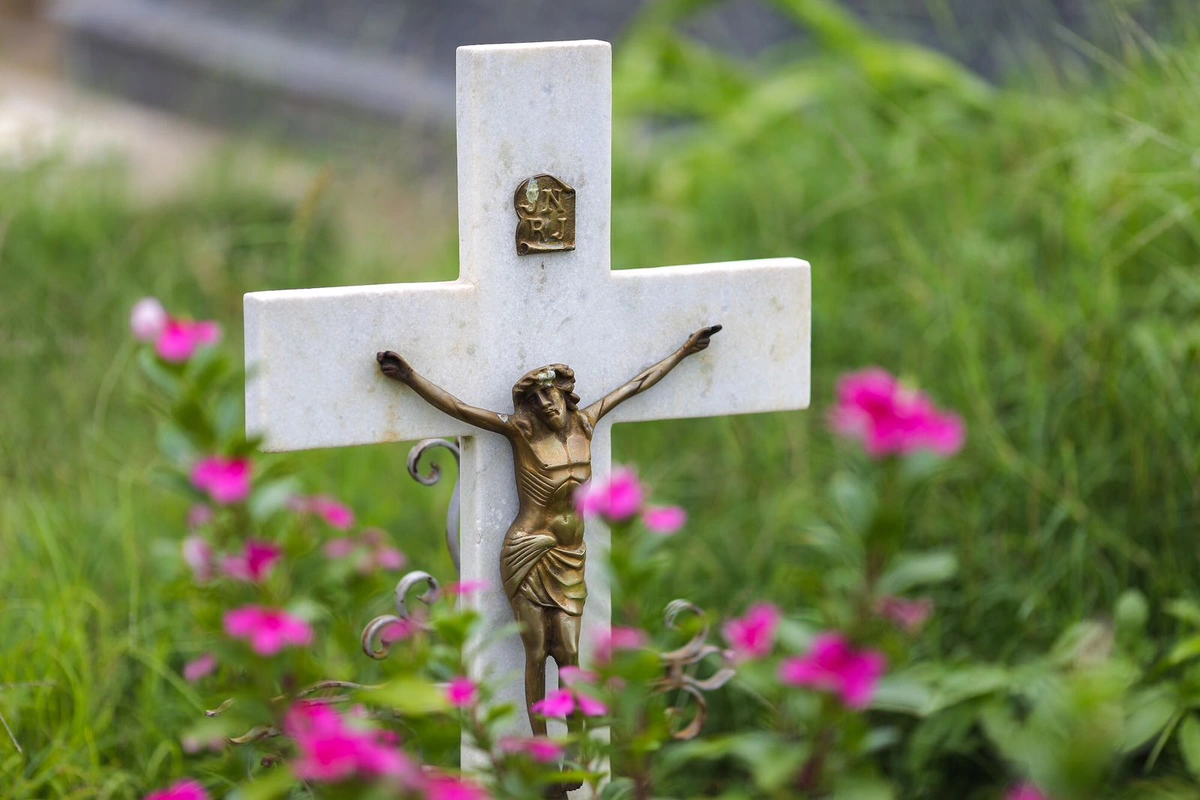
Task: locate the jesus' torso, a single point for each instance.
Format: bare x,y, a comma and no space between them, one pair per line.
550,467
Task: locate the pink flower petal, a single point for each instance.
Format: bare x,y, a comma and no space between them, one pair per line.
890,419
462,692
448,788
148,319
832,665
590,706
464,588
199,667
179,339
198,555
268,630
389,558
574,676
399,631
1025,791
199,515
183,790
541,750
556,704
335,514
665,519
909,615
753,636
617,500
340,548
619,639
227,480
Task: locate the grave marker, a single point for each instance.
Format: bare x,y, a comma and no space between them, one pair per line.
524,110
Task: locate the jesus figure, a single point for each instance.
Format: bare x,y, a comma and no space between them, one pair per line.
542,557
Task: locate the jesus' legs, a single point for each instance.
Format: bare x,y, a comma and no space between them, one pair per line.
532,619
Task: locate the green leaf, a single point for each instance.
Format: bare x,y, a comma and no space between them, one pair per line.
1132,611
852,788
910,571
175,444
618,789
1183,651
966,683
1189,743
904,695
409,696
159,375
1084,642
1147,713
854,499
272,496
275,783
228,416
1185,610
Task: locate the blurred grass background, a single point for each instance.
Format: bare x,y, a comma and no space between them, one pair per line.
1028,253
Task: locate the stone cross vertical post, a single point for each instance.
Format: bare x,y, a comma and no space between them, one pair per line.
525,110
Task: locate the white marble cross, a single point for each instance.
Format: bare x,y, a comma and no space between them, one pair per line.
524,110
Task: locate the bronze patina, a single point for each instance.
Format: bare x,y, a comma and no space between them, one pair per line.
545,215
543,554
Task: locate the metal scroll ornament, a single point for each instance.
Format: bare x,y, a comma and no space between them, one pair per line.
545,215
543,554
681,667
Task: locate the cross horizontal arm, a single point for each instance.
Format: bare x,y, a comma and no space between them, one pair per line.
312,378
758,362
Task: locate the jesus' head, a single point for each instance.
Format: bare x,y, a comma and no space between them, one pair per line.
547,393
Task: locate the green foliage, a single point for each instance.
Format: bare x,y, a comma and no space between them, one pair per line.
1028,251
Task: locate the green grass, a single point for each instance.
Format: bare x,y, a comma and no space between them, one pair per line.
1029,254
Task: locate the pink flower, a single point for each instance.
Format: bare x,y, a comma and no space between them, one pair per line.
462,692
574,676
556,704
198,555
180,338
254,564
464,588
541,750
198,516
664,519
1026,791
891,419
340,548
148,319
184,790
909,615
590,706
619,639
399,631
619,499
753,635
336,515
389,558
199,667
330,750
832,665
444,787
563,702
227,480
268,630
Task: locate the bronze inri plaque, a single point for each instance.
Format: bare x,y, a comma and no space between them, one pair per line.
545,215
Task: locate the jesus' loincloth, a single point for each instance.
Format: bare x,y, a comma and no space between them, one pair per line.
536,567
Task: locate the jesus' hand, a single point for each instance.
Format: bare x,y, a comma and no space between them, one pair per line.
393,366
700,339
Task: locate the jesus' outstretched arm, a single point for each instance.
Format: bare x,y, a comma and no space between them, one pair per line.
396,368
651,375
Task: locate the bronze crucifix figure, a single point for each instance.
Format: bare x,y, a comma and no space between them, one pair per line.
543,553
